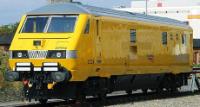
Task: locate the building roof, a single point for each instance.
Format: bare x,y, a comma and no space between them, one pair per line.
6,40
75,8
196,43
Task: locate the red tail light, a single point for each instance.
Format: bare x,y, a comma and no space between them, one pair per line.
25,82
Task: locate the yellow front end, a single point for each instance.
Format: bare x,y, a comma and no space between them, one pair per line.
41,39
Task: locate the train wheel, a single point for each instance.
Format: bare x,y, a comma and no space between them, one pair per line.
145,91
43,101
159,90
102,97
81,99
66,100
129,92
174,90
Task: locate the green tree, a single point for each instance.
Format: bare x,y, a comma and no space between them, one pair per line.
4,31
3,67
8,29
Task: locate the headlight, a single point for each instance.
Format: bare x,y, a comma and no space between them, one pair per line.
19,54
56,54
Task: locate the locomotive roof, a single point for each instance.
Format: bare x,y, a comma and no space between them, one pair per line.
75,8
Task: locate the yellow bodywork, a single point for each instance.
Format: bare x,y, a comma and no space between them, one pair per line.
107,49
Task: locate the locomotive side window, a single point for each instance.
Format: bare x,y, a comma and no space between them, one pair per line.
133,35
97,26
183,38
164,38
87,28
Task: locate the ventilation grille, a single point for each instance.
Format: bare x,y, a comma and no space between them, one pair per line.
38,54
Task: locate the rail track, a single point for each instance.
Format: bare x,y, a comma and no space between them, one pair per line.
113,99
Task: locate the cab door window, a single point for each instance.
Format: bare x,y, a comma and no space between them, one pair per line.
87,28
183,38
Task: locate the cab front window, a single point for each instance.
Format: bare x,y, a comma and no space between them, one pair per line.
49,24
35,25
62,24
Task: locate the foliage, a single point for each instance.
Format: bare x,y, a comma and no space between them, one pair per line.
3,67
196,65
4,31
8,29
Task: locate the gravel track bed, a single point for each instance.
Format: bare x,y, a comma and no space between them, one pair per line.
9,95
186,98
178,100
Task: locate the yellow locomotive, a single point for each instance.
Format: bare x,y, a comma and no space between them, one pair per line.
69,51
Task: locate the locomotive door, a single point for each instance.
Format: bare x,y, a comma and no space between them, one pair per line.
174,47
98,49
171,44
175,44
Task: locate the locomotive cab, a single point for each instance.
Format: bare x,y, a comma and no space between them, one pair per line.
48,44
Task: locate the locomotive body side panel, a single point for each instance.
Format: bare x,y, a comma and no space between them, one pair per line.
148,55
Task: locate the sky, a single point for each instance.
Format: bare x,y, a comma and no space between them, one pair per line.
12,10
